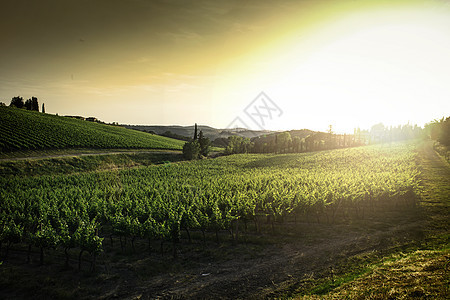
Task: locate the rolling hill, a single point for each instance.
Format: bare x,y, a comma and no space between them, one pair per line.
209,132
23,130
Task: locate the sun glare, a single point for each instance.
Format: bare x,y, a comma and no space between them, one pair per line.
364,68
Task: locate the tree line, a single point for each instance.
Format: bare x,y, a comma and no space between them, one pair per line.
439,130
297,141
29,104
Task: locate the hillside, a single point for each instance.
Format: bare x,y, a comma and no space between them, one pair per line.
209,132
22,130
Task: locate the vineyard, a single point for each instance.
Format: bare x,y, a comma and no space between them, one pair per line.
225,198
27,130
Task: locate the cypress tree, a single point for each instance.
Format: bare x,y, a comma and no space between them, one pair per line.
195,132
43,108
34,104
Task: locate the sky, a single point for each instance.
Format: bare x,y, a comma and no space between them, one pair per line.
251,63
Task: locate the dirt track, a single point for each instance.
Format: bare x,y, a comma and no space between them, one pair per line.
279,267
84,154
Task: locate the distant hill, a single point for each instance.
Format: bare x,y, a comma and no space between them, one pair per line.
303,133
210,132
21,129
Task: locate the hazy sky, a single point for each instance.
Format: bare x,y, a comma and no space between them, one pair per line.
346,63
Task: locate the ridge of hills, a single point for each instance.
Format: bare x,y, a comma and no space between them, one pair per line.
214,133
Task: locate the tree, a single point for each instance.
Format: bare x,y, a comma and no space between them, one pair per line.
276,148
444,134
43,108
31,104
238,144
195,132
330,141
27,104
309,143
34,104
204,143
17,102
246,145
191,150
296,142
433,129
283,140
220,142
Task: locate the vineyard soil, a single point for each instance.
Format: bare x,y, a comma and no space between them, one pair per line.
289,263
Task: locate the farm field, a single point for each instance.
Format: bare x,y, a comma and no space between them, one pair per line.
255,224
29,130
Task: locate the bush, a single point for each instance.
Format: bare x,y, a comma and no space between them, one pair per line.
191,150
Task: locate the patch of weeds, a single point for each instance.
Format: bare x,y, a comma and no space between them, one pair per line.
411,273
417,274
333,282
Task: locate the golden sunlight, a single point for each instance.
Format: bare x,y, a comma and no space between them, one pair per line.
364,67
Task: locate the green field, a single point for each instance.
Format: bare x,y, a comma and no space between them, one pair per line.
29,130
168,221
209,195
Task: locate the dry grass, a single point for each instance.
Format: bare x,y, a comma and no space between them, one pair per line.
422,274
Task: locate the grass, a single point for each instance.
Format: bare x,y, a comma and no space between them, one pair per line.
401,272
29,130
334,282
74,164
421,273
443,151
46,153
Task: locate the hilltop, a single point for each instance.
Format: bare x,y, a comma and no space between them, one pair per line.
24,130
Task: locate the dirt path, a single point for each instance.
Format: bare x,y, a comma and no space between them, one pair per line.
436,187
280,267
85,154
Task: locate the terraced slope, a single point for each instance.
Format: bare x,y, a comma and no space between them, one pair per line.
21,130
